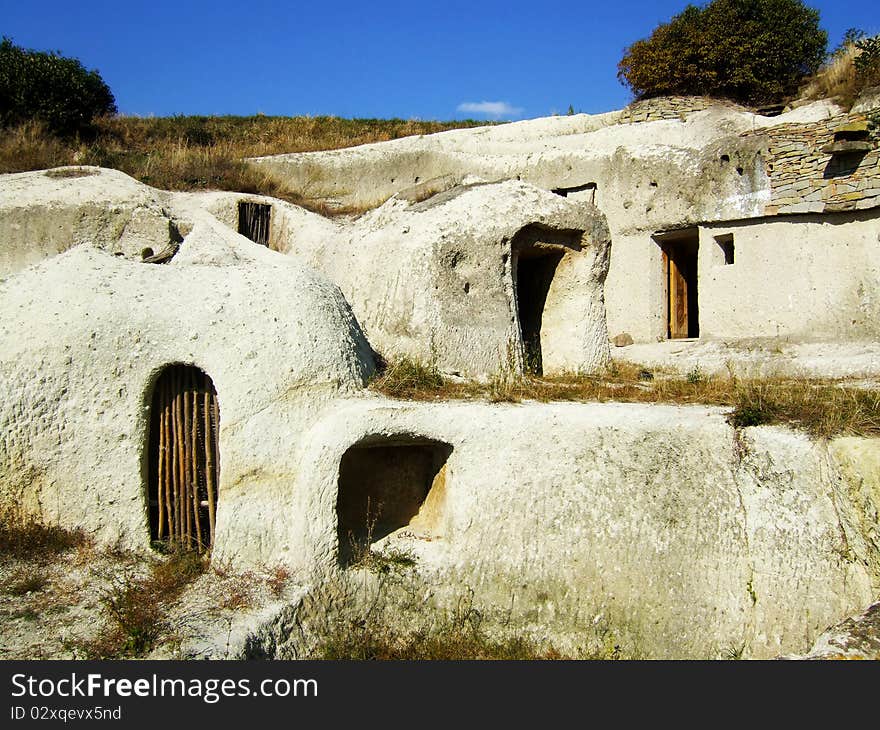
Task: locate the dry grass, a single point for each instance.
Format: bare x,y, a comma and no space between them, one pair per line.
822,408
838,78
382,561
28,579
458,636
408,378
31,147
137,604
263,135
202,153
378,632
21,536
355,641
105,603
277,579
239,590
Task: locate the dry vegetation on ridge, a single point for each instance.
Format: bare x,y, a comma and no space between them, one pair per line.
201,153
847,72
822,408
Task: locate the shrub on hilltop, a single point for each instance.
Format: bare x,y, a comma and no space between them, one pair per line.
52,89
750,51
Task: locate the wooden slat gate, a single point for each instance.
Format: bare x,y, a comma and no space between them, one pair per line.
184,459
254,220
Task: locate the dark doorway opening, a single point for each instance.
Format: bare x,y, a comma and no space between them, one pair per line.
387,485
254,220
184,459
535,267
680,253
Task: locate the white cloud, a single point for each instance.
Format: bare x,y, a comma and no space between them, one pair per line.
490,108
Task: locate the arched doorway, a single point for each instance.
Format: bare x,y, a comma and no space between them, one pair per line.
184,460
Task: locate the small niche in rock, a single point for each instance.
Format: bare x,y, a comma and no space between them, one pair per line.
386,484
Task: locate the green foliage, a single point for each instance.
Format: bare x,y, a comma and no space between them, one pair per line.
745,415
751,51
873,119
50,88
695,376
867,63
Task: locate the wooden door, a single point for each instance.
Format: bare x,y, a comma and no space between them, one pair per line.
677,286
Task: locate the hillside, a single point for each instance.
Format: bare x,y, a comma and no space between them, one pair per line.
202,153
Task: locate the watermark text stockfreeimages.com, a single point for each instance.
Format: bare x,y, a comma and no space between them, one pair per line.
209,690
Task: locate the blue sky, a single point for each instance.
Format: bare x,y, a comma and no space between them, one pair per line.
508,60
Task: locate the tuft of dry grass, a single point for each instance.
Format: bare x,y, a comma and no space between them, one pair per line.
25,580
836,79
822,408
241,590
23,536
408,378
203,153
383,561
840,79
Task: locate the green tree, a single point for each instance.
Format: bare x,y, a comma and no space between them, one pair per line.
751,51
49,87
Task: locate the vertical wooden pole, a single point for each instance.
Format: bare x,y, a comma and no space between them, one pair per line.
215,440
175,460
209,459
179,438
215,413
172,454
187,467
166,419
158,414
194,458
